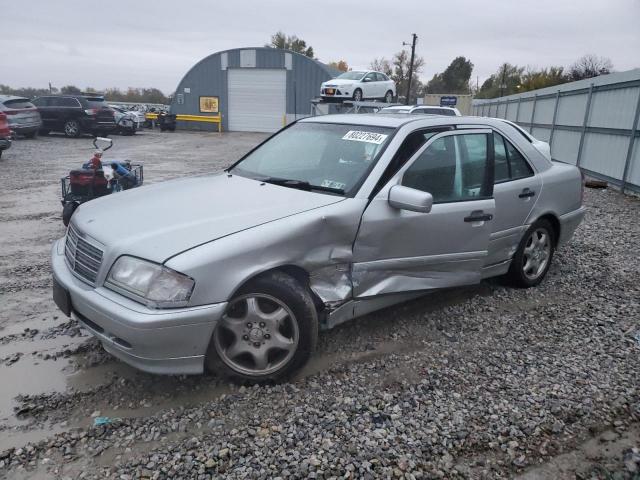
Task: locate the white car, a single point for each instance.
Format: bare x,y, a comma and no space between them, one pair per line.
359,85
422,109
543,147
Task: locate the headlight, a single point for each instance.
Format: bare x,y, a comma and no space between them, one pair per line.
150,283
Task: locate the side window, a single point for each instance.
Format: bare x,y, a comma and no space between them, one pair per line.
452,168
68,102
501,163
41,101
519,166
381,78
509,162
370,77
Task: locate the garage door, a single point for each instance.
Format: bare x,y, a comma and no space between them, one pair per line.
257,99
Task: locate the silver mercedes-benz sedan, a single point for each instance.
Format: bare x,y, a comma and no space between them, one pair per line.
329,219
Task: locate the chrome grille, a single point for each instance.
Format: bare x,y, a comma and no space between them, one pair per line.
83,258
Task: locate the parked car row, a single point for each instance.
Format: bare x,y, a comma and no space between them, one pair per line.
71,114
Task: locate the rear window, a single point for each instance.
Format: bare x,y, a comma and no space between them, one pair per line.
436,111
96,102
18,103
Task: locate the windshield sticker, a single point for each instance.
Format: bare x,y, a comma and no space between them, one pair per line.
368,137
332,184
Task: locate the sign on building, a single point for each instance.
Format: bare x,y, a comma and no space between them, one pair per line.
209,104
448,101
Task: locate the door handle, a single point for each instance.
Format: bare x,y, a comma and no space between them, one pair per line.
527,192
478,216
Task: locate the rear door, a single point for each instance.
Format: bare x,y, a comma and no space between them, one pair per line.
370,86
400,251
516,190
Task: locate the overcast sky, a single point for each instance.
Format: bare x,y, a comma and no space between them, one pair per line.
152,43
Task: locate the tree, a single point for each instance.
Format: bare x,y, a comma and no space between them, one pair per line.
589,66
293,43
381,65
455,78
70,90
546,77
340,65
506,81
400,74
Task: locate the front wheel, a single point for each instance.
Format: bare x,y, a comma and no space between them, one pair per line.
357,95
532,260
267,333
67,212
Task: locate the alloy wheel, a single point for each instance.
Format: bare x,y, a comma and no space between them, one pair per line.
257,335
388,97
537,252
71,128
357,96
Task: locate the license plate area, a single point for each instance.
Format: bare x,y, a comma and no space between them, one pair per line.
61,297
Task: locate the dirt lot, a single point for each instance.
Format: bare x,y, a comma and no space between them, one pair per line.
481,382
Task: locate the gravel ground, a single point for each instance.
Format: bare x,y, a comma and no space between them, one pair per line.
481,382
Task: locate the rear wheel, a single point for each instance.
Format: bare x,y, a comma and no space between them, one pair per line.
533,258
267,333
388,97
72,128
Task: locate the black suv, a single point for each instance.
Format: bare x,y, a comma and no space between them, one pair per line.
75,114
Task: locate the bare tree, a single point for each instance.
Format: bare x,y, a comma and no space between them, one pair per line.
381,65
589,66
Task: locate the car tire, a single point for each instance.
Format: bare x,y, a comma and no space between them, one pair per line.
67,212
271,325
533,257
357,95
72,128
31,135
388,97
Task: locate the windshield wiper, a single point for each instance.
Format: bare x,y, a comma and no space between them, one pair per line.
301,185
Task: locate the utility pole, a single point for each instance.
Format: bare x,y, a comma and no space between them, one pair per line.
50,89
413,54
502,84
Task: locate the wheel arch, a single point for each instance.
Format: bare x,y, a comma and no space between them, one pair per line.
552,218
300,274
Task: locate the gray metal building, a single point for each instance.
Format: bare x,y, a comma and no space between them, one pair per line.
253,89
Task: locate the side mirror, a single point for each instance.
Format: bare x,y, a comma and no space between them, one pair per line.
405,198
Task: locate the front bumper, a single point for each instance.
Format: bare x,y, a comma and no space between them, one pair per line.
171,341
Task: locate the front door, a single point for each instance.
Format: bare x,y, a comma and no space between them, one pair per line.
401,251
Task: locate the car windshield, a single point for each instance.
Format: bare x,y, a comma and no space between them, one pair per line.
334,158
351,76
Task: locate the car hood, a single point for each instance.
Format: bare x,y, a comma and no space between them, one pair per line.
339,82
159,221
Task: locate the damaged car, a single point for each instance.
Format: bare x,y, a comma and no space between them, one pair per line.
329,219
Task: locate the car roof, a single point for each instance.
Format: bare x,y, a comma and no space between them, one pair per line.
12,97
398,120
